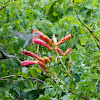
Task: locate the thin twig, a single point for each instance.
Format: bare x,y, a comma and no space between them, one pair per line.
95,37
86,26
4,6
38,49
70,44
86,98
38,86
6,56
3,78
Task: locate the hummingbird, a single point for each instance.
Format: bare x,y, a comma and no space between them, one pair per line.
28,38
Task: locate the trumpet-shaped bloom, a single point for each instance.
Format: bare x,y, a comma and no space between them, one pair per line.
40,42
28,62
60,51
68,51
31,62
67,37
44,37
47,39
29,53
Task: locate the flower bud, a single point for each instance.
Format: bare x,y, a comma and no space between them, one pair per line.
28,62
60,51
54,39
67,37
71,73
68,51
40,42
46,60
50,57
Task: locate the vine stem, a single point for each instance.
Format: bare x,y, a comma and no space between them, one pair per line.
4,6
95,37
63,65
4,78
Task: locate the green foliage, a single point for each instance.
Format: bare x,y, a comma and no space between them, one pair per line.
50,17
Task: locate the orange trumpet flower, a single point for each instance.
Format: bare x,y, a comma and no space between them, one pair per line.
60,51
44,37
29,53
67,37
28,62
40,42
68,51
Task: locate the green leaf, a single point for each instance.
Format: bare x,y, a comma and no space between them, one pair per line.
46,97
25,72
94,76
33,73
77,78
38,69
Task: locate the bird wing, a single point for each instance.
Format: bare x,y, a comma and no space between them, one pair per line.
19,34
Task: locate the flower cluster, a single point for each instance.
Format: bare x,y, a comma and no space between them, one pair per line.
67,37
41,62
48,43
